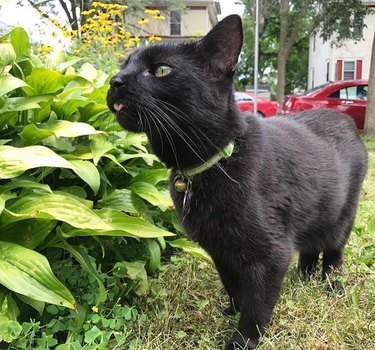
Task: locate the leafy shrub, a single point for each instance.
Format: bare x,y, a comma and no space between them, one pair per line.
72,184
104,36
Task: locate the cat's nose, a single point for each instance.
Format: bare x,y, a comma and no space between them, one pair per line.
117,81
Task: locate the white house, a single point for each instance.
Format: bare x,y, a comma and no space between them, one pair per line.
199,17
350,60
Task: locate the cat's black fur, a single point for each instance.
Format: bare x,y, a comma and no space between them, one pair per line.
291,185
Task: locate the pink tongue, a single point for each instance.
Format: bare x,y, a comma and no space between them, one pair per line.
118,106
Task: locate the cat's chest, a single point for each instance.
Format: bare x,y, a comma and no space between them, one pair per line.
205,207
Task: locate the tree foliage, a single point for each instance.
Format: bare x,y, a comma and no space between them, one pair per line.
297,63
290,23
73,9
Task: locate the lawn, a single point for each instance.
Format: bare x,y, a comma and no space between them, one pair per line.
183,310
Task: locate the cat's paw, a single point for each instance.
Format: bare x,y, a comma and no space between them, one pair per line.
241,345
335,287
236,346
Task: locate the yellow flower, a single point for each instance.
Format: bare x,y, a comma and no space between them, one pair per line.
143,21
152,12
88,12
154,38
129,44
122,7
45,49
159,17
95,309
115,13
67,33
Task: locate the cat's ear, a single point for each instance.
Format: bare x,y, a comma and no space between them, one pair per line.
221,47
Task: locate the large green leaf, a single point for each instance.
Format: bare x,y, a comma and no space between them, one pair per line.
153,176
151,194
88,72
99,146
120,225
7,55
24,184
132,140
9,83
119,200
64,128
190,247
43,81
27,272
148,158
87,172
94,76
31,134
92,110
114,160
14,161
69,108
29,233
58,60
53,206
17,104
35,304
20,41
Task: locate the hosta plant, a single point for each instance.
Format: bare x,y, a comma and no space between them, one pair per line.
73,185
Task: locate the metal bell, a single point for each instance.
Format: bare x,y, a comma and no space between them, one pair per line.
180,185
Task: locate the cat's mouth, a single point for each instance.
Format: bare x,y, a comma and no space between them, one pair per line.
120,106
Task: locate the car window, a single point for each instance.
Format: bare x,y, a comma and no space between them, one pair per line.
356,92
362,92
310,91
240,96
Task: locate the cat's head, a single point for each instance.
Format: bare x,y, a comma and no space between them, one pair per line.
180,95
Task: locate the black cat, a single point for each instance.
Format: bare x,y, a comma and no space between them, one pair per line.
291,184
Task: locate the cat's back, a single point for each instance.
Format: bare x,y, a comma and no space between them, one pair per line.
309,166
323,130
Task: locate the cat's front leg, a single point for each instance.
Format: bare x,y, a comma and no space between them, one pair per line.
231,280
259,288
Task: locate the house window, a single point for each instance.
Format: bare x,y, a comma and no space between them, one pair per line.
327,75
175,22
349,70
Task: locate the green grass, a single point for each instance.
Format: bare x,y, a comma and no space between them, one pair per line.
182,311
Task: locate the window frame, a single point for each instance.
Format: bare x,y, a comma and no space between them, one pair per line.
171,13
354,62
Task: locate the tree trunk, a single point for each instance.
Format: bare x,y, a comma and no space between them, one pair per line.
281,72
370,110
283,52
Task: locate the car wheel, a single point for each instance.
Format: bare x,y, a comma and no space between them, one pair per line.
260,115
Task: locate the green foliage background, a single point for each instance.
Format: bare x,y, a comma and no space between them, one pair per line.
78,194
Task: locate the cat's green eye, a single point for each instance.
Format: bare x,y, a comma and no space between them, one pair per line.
162,71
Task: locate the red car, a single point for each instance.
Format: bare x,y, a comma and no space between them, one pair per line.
245,102
348,96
